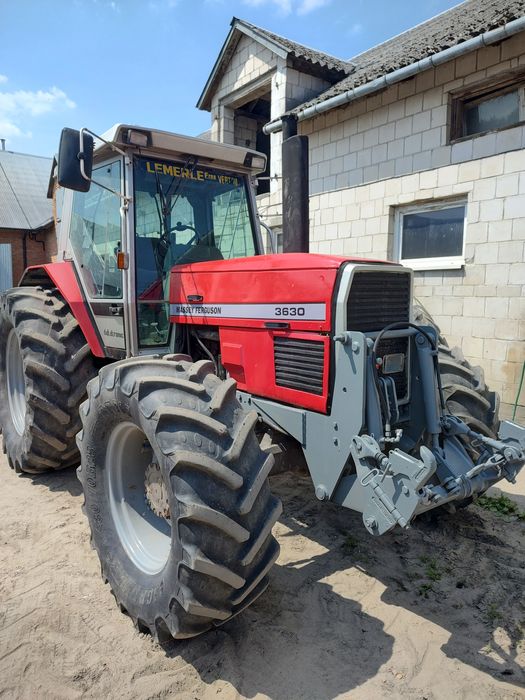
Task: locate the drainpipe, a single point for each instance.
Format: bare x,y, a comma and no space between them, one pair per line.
384,81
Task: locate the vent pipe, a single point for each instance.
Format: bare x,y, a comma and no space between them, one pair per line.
296,234
2,141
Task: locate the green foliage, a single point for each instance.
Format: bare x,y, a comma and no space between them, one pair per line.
432,570
501,505
350,543
425,589
493,613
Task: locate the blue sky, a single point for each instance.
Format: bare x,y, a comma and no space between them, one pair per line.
97,62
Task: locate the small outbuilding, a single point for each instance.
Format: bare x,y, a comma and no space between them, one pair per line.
27,229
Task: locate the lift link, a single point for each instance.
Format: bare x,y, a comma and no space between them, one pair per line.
394,483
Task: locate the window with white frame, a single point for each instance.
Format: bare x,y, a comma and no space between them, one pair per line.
431,236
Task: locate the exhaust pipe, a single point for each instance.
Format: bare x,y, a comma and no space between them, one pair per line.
296,235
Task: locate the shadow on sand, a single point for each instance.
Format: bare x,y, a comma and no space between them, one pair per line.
303,639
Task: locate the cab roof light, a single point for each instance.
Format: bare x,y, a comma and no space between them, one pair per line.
138,138
255,161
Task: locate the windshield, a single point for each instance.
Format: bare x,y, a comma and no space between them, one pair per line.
184,213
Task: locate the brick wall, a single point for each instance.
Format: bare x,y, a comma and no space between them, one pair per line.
36,254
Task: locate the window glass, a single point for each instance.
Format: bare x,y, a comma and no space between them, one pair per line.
431,237
184,213
95,233
232,224
496,112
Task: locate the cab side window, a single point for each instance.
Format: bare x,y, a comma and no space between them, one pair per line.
96,231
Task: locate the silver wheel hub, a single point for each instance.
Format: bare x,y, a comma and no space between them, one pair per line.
16,385
156,491
138,498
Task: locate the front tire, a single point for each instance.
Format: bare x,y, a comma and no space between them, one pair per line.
176,494
45,364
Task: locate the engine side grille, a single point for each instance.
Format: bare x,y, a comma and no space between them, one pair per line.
377,299
299,364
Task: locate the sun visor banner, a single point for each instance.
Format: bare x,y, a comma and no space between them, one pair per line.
157,168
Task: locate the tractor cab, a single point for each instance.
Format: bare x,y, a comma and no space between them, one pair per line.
139,201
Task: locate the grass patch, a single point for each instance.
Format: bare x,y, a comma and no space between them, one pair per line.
493,613
425,589
432,570
501,505
350,543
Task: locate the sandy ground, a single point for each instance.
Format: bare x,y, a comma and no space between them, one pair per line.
434,612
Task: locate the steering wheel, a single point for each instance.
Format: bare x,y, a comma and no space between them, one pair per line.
179,226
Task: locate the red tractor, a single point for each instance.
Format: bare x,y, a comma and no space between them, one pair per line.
163,348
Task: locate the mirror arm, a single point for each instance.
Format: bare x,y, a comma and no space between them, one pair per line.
96,136
125,200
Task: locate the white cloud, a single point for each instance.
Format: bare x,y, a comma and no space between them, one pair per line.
18,107
287,7
3,78
307,6
355,29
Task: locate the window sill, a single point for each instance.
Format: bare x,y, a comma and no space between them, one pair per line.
429,264
466,137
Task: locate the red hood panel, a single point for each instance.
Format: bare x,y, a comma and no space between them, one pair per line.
282,261
252,292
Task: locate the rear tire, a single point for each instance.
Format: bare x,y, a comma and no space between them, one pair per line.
45,364
201,552
466,394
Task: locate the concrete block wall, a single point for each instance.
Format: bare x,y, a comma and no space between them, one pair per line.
404,129
480,308
392,149
245,132
288,87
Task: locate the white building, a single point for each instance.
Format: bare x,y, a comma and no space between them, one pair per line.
417,154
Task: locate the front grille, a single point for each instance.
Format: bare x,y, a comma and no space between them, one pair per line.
391,346
299,364
377,299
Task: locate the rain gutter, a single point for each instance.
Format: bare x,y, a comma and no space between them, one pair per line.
384,81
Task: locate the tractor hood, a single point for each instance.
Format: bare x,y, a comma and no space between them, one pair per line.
290,290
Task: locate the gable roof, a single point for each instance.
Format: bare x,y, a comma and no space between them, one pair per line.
23,191
450,28
301,57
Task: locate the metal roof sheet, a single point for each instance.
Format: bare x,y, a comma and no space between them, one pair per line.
23,191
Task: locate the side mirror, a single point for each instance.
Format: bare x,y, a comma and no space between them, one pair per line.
75,160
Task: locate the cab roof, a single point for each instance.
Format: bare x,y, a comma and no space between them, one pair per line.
165,142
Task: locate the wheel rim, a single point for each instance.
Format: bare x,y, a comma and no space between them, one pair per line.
16,386
145,536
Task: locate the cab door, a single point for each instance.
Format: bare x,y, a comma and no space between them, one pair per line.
95,238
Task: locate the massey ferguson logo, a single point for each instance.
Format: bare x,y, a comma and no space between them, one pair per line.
196,310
